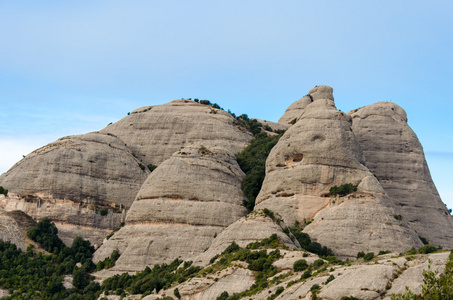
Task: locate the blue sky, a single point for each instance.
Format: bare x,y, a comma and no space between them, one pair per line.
72,67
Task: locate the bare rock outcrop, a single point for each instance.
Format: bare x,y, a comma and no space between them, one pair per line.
293,112
394,154
253,227
154,133
14,226
94,168
316,153
71,218
182,206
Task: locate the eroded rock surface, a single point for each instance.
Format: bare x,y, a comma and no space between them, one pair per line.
14,226
71,218
251,228
182,206
316,153
94,168
394,154
294,111
154,133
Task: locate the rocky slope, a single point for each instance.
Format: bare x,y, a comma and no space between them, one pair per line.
93,168
318,152
377,279
154,133
74,178
191,206
14,226
394,154
183,205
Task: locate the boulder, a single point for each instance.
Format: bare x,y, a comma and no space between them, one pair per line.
394,154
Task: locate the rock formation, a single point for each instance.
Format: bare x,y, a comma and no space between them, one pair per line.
253,227
98,185
183,205
14,226
154,133
318,152
394,154
293,112
93,168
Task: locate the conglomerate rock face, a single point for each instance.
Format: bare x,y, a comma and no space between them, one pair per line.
154,133
394,154
253,227
320,151
93,168
182,206
293,112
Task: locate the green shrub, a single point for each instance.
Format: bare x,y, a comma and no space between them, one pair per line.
176,293
331,277
279,290
269,213
108,262
45,233
343,189
306,274
398,217
435,285
317,263
223,296
369,256
103,212
424,241
3,191
315,287
152,167
252,161
360,254
306,243
300,265
427,249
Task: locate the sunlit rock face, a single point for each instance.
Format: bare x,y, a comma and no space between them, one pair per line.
183,205
394,154
320,151
154,133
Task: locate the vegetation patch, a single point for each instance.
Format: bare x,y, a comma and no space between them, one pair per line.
3,191
306,243
252,161
435,285
108,262
342,190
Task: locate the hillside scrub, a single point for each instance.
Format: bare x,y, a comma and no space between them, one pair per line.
435,285
252,161
343,189
30,275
